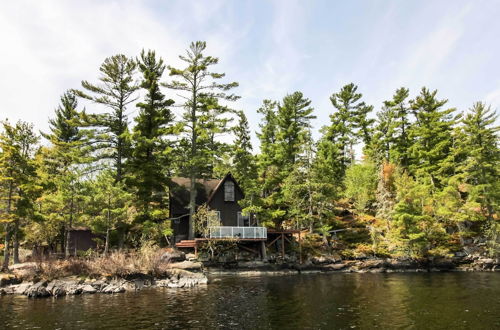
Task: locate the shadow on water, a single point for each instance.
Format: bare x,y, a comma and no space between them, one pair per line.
314,301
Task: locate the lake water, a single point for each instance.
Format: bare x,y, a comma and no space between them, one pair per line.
307,301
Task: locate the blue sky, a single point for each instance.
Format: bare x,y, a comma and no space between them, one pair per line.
270,47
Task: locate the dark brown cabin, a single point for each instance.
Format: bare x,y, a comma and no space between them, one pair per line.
220,195
81,239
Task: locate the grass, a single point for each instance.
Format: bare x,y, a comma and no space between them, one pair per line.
147,260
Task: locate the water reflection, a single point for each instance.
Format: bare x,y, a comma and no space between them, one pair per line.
319,301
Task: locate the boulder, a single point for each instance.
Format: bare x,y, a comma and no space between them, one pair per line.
186,265
22,288
37,290
338,266
87,288
173,256
8,279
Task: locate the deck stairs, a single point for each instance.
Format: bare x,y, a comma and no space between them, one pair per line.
190,243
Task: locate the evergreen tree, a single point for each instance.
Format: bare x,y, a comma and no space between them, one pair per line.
399,126
108,132
390,141
244,165
150,159
293,122
18,184
431,136
284,148
349,126
61,165
202,91
110,203
266,160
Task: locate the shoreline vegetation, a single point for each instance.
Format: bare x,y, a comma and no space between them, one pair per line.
401,188
122,272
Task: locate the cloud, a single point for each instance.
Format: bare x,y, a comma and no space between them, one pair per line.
50,46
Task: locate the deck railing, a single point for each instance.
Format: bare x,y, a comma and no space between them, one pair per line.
238,232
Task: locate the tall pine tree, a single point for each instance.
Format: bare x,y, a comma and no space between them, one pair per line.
150,159
202,91
109,131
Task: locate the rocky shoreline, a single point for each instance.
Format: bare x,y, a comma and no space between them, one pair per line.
329,264
177,278
189,273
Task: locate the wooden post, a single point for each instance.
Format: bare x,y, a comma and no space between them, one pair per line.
263,252
283,246
196,250
300,249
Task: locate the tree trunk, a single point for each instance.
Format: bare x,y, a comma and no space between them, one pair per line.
192,206
106,246
15,241
6,258
67,252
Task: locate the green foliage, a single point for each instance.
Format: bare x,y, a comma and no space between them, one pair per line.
150,158
108,132
430,152
203,119
361,184
427,186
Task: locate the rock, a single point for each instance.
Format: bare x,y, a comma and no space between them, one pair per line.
186,265
9,279
163,283
88,289
190,256
22,288
377,270
252,264
98,285
173,256
368,264
339,266
113,288
321,260
37,290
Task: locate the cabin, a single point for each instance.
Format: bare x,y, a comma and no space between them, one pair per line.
222,196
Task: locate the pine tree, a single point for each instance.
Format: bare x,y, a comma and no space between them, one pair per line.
349,126
108,132
266,160
150,159
479,169
62,164
390,141
18,182
431,136
399,127
293,122
110,202
202,91
244,165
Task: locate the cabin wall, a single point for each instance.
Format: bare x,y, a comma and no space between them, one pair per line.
228,210
81,240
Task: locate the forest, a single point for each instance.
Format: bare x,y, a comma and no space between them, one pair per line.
426,184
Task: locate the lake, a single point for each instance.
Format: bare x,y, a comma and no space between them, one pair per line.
307,301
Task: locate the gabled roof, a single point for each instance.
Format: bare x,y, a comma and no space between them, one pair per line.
208,184
211,186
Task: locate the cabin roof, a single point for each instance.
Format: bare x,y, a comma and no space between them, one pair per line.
211,186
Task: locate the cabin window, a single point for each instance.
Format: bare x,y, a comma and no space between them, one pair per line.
229,191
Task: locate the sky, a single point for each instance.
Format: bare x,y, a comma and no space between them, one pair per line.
271,48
